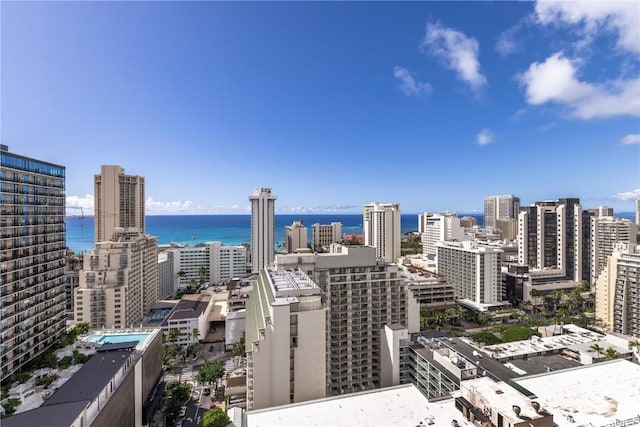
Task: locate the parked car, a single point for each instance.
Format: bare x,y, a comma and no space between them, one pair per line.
183,411
210,348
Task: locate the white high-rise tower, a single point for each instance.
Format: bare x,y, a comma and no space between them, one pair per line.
262,228
381,224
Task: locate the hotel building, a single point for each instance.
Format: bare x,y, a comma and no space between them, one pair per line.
500,208
32,258
605,232
118,202
439,227
382,229
262,228
295,237
326,234
222,263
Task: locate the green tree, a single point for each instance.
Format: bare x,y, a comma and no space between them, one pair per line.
202,272
196,334
517,333
81,328
610,353
10,407
215,417
173,335
486,337
210,372
238,350
597,348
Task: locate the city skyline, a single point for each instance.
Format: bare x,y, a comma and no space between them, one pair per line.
208,100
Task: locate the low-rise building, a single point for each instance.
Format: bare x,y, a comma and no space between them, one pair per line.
189,315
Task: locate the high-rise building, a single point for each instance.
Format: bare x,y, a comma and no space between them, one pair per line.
118,202
556,235
295,237
638,212
468,222
32,258
382,229
605,232
166,275
618,291
473,271
262,228
439,227
326,234
500,207
119,281
601,211
285,340
211,262
370,309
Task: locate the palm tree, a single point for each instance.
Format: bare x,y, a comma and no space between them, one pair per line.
535,294
196,334
452,314
611,353
203,274
180,275
596,347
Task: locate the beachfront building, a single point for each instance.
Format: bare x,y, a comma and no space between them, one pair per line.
210,262
118,203
262,228
505,207
473,271
32,258
439,227
326,234
295,237
119,281
382,230
285,340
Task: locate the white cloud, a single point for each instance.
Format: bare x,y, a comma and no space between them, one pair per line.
156,207
408,84
631,139
79,205
484,137
554,80
628,195
457,51
319,209
620,17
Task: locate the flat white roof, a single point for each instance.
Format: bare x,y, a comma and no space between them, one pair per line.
394,406
593,395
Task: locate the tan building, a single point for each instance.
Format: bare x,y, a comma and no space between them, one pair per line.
118,202
285,331
382,229
326,234
500,208
295,237
605,233
119,281
32,258
262,228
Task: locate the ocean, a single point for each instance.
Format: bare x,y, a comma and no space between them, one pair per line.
229,229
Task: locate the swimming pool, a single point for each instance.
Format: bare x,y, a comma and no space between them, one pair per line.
117,338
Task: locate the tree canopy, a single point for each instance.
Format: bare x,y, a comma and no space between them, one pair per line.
215,417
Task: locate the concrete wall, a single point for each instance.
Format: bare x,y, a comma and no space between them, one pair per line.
120,410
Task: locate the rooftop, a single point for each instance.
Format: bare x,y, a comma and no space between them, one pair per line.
288,283
403,405
596,395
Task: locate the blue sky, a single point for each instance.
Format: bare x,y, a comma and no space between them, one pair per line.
434,105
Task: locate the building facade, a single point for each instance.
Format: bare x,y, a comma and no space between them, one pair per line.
626,303
118,202
382,229
216,262
285,340
166,276
326,234
262,228
605,232
119,281
295,237
500,208
439,227
473,271
32,258
556,235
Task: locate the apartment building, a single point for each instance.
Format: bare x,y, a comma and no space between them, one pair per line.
382,229
503,207
295,237
473,271
326,234
32,258
285,340
119,281
557,235
364,295
118,202
166,276
262,228
605,232
439,227
220,263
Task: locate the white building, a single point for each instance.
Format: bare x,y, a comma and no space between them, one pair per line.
166,276
503,207
382,229
439,227
191,314
217,262
285,340
118,284
605,232
295,237
262,228
326,234
473,271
